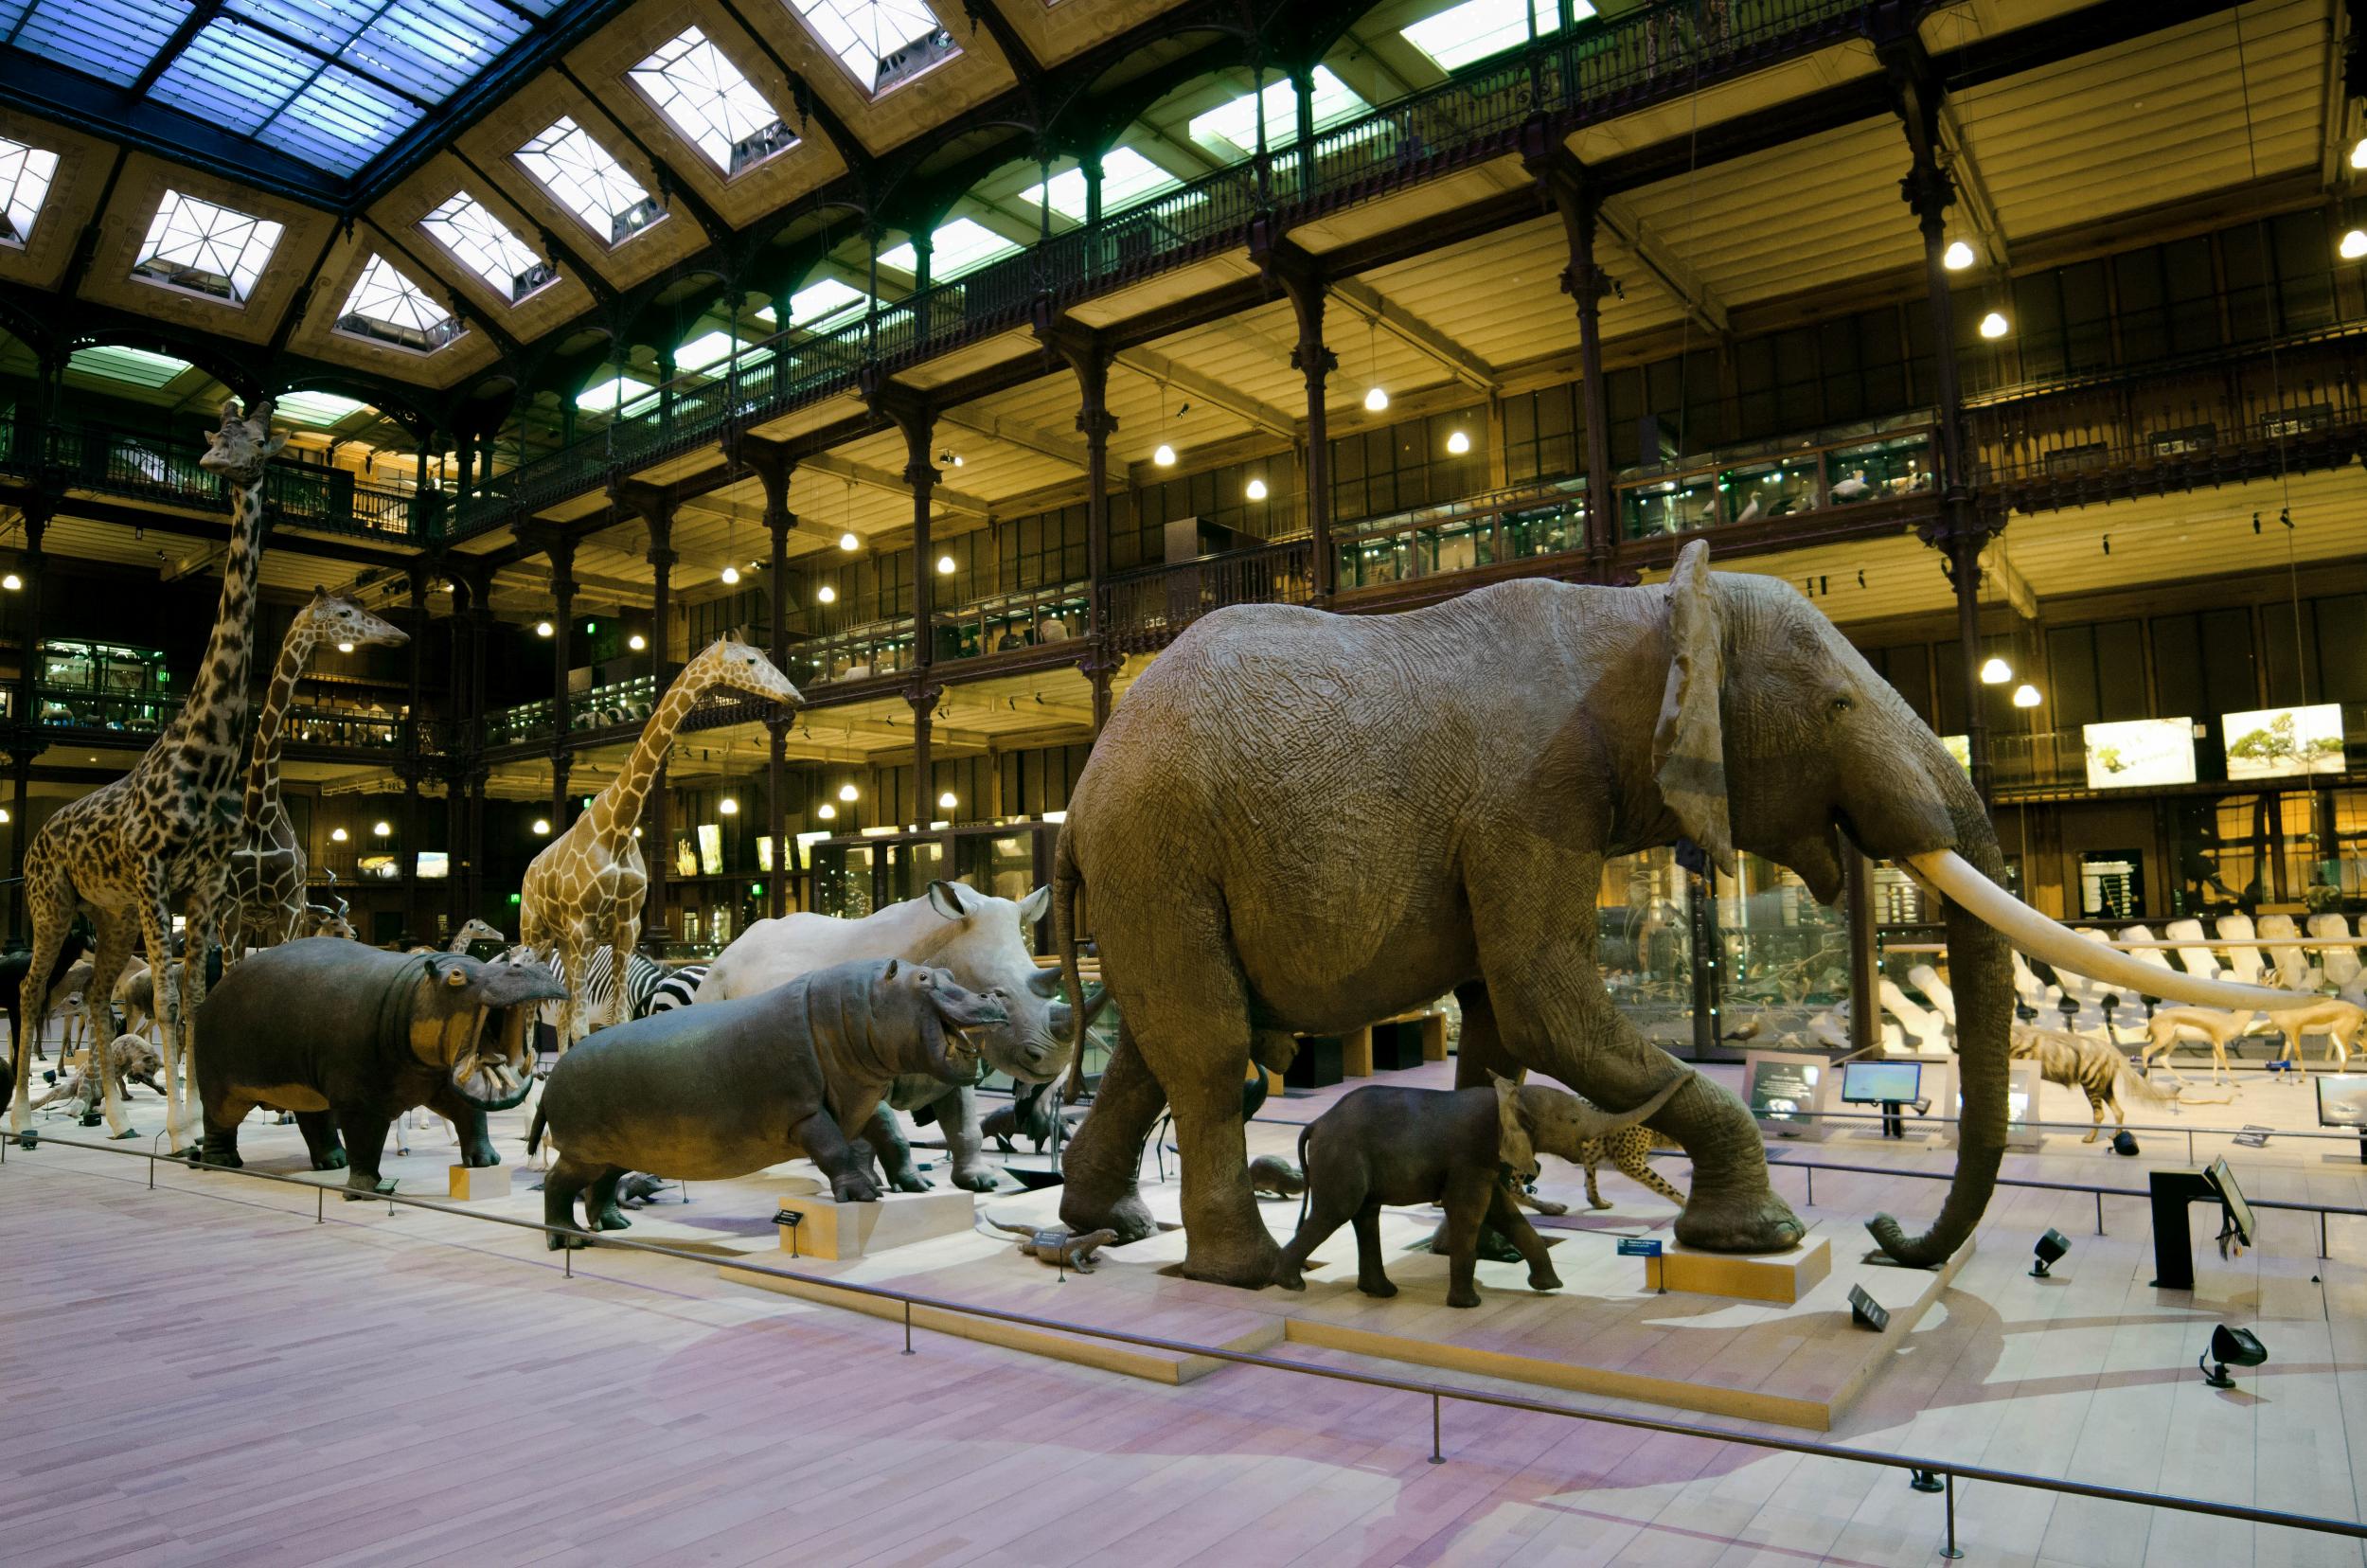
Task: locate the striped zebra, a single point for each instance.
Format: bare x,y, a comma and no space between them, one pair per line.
678,990
643,976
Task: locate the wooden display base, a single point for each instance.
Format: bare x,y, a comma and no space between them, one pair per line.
1783,1277
474,1184
829,1229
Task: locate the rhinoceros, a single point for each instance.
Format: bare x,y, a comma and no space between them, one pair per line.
727,1088
350,1038
978,939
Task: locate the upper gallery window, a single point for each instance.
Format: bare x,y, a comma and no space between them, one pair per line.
955,248
468,228
319,410
136,366
820,305
1232,128
588,183
25,175
719,112
206,249
386,307
882,43
1127,177
1478,28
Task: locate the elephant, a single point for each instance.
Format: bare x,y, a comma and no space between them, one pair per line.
1300,822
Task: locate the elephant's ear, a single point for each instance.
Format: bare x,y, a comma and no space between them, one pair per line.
1514,1151
1689,745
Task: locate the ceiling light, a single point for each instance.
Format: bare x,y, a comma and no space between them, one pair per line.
2354,244
4,816
945,565
1996,672
11,583
345,648
847,793
825,594
1958,256
542,629
2026,696
1257,491
825,811
381,829
849,542
1993,325
731,574
2358,153
1164,457
541,825
947,800
638,642
729,806
336,835
1459,442
1375,400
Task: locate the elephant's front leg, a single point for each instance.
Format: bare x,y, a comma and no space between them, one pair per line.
965,1145
1099,1166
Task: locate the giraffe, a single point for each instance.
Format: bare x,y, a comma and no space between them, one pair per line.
127,852
586,887
268,868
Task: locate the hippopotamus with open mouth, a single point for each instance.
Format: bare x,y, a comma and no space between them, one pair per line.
727,1088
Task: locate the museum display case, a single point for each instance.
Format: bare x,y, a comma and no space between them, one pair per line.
104,685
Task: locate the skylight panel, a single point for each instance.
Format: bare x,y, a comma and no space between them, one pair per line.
719,112
963,245
25,176
386,307
484,245
206,249
1126,176
882,43
588,183
622,395
341,121
317,410
135,366
113,40
1232,128
1478,28
705,350
234,76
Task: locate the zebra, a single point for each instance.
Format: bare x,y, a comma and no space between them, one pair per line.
646,982
679,988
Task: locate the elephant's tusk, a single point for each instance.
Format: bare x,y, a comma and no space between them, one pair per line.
2043,938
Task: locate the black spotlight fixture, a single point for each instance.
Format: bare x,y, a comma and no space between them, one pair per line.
2230,1347
2050,1251
2125,1142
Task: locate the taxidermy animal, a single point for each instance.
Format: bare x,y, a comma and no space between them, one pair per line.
2341,1022
1629,1149
727,1087
1464,1147
1272,1175
132,1059
1069,1251
2163,1032
14,968
348,1038
1029,1115
2091,1066
638,1190
1853,489
983,943
1239,896
473,931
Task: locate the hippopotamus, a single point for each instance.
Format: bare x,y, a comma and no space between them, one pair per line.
348,1038
727,1088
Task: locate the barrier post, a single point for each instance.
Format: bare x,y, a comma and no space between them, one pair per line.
1951,1550
1436,1455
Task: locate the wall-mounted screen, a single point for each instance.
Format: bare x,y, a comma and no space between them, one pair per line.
2136,752
434,866
710,849
1959,747
2280,742
2342,1099
1880,1082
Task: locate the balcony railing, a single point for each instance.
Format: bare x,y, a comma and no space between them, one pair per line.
1460,536
341,727
1149,608
1880,460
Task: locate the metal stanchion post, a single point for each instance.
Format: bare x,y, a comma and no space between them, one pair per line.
1951,1551
908,1327
2099,1214
320,1205
1437,1457
1812,1186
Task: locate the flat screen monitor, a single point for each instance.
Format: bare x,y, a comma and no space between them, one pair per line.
1880,1082
2342,1099
2232,1195
1784,1091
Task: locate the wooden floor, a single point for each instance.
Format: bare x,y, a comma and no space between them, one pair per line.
203,1374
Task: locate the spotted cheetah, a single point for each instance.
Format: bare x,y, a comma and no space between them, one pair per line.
1629,1151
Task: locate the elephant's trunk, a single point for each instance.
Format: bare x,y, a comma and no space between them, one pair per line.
1979,968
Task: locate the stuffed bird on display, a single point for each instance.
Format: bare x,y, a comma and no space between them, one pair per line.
1853,489
1751,512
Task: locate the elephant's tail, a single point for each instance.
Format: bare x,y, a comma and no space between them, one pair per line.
534,1130
1065,881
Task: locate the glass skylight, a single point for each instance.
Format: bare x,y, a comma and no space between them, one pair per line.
318,410
206,249
1126,176
25,175
705,350
882,43
468,228
387,307
1478,28
588,183
703,94
963,245
135,366
821,305
619,394
1231,129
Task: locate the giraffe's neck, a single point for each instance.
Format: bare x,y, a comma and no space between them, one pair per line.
616,810
262,768
207,730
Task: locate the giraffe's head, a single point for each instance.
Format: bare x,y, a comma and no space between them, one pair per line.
730,661
240,448
343,624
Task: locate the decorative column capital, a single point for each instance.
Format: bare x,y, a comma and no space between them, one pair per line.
1314,360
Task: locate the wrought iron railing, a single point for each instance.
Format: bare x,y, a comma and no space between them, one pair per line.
1149,608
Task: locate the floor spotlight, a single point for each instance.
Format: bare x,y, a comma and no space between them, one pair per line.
2230,1347
2050,1251
2123,1143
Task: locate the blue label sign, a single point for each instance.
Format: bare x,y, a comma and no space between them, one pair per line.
1638,1246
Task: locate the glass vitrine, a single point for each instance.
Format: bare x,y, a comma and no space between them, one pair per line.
1883,469
1676,505
1772,488
104,685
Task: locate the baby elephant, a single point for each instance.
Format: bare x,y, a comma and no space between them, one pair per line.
1456,1147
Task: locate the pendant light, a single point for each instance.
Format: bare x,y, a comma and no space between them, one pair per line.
1377,397
1165,455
